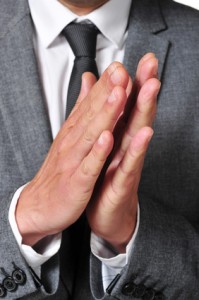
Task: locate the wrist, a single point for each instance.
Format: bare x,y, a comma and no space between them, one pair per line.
120,238
25,215
119,246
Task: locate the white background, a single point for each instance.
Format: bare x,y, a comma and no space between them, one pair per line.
193,3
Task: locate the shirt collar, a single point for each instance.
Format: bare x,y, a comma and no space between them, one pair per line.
50,17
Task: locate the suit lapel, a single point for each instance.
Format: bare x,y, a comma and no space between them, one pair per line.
21,103
144,34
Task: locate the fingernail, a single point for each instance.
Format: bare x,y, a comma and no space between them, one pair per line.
151,135
114,73
102,139
115,77
158,88
147,56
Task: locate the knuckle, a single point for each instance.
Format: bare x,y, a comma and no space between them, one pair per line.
137,156
134,172
85,169
61,145
129,171
89,136
71,121
88,171
98,157
90,113
109,114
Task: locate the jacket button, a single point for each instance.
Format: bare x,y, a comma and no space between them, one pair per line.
159,296
19,276
149,294
9,284
139,291
128,289
2,291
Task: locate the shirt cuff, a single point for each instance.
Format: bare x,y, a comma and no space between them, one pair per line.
50,245
112,263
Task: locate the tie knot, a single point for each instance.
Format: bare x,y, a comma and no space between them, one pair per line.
82,39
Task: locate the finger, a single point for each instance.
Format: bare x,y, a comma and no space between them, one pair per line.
143,113
91,166
88,81
127,176
104,120
86,114
114,76
129,87
147,68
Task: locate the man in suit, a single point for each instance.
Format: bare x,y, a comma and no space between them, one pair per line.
161,261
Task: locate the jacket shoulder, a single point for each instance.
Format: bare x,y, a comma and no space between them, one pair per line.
11,12
177,14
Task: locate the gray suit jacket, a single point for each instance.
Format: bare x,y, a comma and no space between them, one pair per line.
165,261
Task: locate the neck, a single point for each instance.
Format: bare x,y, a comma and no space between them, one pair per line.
82,7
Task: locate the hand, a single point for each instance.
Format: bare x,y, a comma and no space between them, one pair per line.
61,190
113,209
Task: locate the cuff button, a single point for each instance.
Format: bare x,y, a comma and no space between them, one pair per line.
139,291
19,277
9,284
128,289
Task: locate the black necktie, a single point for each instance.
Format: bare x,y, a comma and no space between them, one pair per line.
82,39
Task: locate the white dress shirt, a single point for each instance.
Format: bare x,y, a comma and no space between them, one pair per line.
55,56
55,61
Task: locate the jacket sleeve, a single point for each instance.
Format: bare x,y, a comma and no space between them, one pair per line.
164,263
17,279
